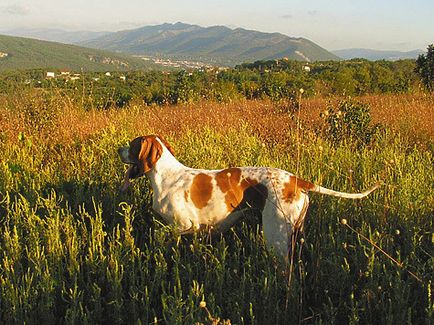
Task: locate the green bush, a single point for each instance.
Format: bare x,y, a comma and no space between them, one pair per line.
350,122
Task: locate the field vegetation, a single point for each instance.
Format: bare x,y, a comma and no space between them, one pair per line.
75,250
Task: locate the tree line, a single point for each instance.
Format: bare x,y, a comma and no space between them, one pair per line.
278,80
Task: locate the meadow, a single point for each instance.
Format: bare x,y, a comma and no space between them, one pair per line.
75,250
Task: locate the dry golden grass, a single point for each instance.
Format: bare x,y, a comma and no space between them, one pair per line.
60,121
408,114
412,115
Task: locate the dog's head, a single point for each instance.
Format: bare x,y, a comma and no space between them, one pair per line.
142,155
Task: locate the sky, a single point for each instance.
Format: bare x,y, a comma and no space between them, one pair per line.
333,24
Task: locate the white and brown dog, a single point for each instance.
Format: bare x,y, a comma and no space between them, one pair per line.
193,198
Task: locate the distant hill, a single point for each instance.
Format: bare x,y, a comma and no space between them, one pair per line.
374,55
217,44
54,35
25,53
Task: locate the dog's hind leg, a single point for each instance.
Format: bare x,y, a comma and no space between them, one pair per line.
276,231
281,225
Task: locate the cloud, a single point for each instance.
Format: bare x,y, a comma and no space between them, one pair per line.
312,12
287,16
15,9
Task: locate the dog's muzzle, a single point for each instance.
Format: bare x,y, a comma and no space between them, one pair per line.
124,155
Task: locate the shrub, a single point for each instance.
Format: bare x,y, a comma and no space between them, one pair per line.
350,121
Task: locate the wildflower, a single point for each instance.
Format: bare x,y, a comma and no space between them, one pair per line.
344,221
301,90
202,304
21,136
320,148
397,232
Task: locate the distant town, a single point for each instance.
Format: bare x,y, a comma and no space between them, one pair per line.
167,63
171,63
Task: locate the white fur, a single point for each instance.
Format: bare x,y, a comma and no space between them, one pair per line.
170,179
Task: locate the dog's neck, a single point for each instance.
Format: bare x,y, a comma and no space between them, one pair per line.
166,170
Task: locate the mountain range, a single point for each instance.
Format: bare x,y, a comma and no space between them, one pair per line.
54,35
26,53
374,55
216,44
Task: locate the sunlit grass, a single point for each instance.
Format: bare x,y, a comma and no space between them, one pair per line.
74,249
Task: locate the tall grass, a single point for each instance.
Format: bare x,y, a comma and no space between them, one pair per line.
74,249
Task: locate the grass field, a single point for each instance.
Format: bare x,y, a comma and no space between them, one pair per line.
75,250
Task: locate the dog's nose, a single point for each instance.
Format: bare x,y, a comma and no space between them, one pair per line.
124,155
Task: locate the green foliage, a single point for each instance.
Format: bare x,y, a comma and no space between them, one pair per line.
75,250
350,122
26,53
425,68
277,80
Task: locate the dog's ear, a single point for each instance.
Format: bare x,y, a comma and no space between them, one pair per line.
149,154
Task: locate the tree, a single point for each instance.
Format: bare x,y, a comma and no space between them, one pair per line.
425,68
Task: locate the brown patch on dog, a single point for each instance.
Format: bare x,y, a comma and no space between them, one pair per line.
201,190
241,193
186,196
145,152
293,188
228,181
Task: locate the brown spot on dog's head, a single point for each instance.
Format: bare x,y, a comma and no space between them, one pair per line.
144,153
241,192
293,188
201,190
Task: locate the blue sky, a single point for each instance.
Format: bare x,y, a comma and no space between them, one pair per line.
333,24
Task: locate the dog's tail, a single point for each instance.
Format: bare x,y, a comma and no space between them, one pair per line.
323,190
